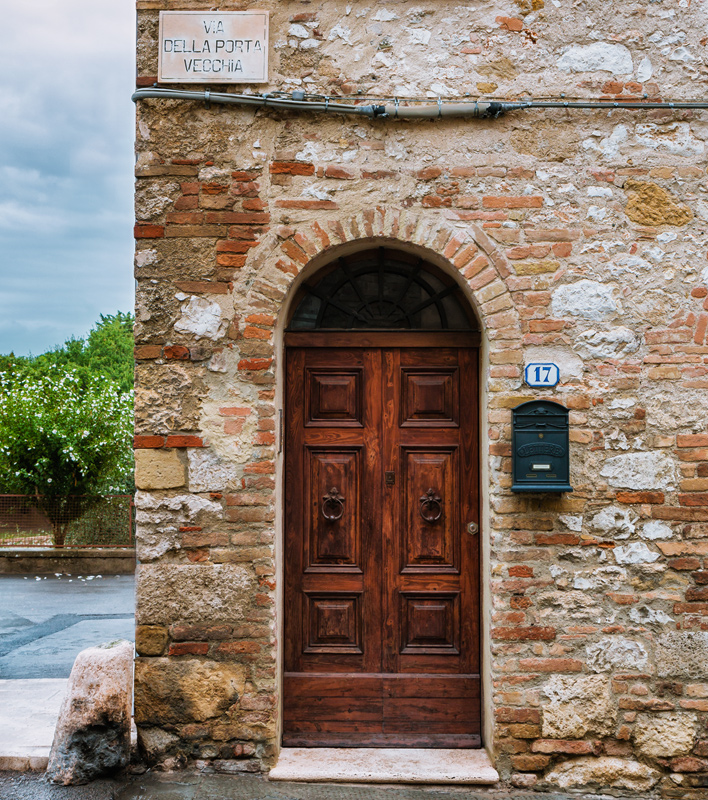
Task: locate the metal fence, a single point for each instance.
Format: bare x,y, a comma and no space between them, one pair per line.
79,521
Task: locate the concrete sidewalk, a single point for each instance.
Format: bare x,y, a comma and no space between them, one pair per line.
187,786
28,716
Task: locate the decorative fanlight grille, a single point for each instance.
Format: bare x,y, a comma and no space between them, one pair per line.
381,289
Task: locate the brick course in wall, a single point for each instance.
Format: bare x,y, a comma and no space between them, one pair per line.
578,239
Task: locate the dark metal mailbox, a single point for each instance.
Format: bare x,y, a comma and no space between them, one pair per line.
539,446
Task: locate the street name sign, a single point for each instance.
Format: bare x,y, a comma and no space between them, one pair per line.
213,47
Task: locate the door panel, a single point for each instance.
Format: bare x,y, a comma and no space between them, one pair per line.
429,521
381,578
334,537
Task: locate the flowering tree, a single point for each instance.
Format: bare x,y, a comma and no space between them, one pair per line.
64,434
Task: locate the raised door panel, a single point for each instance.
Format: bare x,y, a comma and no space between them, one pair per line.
333,397
333,518
332,622
430,622
429,397
429,510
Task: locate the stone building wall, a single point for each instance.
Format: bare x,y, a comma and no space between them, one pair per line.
581,237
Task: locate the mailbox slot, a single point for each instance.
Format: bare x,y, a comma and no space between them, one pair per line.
540,447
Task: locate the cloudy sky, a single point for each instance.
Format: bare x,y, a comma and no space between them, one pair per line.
66,163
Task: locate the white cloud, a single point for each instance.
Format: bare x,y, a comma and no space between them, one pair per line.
65,168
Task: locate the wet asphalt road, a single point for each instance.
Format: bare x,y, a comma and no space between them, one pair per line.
46,620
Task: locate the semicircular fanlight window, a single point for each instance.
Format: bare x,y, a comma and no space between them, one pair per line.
381,289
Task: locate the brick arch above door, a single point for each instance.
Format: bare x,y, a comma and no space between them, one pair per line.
287,253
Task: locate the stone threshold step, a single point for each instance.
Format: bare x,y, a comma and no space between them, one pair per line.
384,765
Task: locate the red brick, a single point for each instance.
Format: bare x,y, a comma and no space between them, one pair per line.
685,563
506,714
261,319
551,665
525,201
562,249
692,440
255,333
182,632
623,599
185,217
311,204
551,235
691,608
546,325
144,442
147,351
144,230
521,571
689,764
291,168
227,246
236,648
234,426
189,648
379,174
527,763
234,411
260,468
510,23
694,499
176,351
184,440
697,594
533,632
255,363
640,497
186,203
340,172
573,747
244,175
519,602
556,538
630,704
230,260
428,173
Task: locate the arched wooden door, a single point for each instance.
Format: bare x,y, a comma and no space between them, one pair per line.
381,545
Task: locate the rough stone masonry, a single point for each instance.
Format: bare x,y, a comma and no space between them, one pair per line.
582,239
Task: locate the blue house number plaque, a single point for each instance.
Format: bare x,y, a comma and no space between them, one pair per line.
541,374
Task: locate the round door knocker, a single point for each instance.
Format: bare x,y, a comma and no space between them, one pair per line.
332,505
430,506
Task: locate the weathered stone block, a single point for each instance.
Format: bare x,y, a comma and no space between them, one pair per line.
577,705
92,736
169,593
169,691
665,735
617,653
150,640
619,773
653,470
158,469
681,654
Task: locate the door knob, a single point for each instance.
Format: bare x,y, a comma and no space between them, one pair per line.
472,528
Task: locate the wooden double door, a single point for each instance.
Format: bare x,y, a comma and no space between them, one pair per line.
381,547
